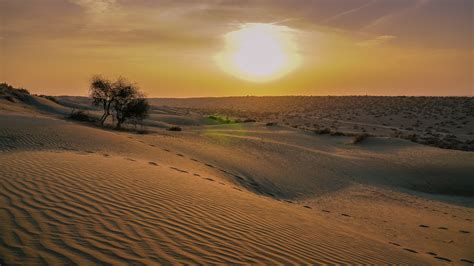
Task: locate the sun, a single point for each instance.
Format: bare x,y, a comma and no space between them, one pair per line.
259,52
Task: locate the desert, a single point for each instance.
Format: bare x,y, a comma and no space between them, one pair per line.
221,191
236,132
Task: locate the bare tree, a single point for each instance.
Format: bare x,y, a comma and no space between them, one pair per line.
135,110
121,98
102,93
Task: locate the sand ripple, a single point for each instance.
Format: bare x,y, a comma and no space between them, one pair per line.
69,208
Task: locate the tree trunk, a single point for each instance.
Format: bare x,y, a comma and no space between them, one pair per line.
120,121
106,112
103,118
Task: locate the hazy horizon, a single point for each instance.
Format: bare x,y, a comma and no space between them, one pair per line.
185,49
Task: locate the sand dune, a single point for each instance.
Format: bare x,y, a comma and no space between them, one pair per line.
243,193
102,214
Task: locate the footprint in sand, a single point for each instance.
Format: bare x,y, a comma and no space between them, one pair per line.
152,145
442,228
410,250
442,258
130,159
306,206
224,171
192,159
255,185
237,188
210,179
179,154
220,183
393,243
347,215
209,165
431,253
196,174
153,163
326,211
89,151
466,260
179,170
424,226
464,232
106,155
167,150
239,177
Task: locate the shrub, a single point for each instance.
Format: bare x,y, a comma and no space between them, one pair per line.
9,98
270,124
411,137
221,120
174,128
322,131
248,120
51,98
21,94
359,138
22,91
80,116
337,133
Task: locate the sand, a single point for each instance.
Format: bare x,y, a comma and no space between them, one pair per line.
72,193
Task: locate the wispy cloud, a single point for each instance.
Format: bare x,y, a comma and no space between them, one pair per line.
347,12
95,6
376,41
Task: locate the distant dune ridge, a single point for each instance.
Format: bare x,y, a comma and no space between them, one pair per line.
445,122
225,192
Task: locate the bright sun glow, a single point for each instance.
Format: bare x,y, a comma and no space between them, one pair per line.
259,52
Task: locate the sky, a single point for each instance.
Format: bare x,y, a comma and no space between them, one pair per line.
171,48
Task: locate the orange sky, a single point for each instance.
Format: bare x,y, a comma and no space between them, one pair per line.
385,47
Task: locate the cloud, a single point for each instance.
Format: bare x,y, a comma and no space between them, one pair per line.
95,7
376,41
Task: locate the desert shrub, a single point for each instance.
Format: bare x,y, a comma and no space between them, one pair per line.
337,133
322,131
21,94
174,128
51,98
270,124
80,115
411,137
221,120
358,138
22,91
18,93
9,98
248,120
